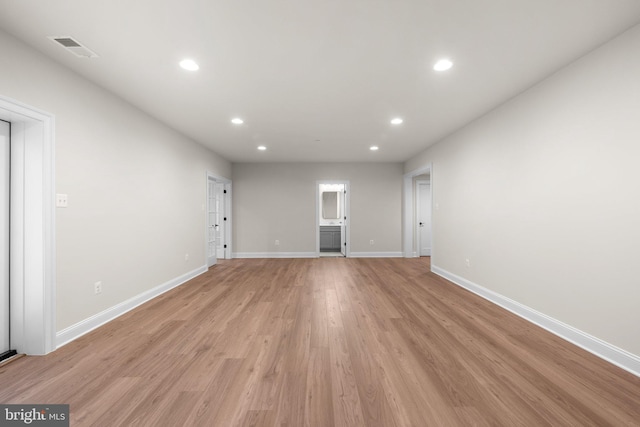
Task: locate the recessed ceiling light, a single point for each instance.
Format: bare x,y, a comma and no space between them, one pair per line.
237,121
373,148
396,121
261,147
443,65
189,64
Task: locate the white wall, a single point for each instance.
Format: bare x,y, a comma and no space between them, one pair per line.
543,196
278,201
135,186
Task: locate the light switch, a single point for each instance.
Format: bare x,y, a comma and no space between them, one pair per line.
62,201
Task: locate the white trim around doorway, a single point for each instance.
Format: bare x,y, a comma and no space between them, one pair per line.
228,253
32,242
409,212
347,213
418,244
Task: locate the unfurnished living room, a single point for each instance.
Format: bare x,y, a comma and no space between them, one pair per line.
320,213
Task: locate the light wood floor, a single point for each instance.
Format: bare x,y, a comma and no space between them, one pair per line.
322,342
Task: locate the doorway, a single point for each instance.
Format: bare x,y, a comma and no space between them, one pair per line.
410,221
218,224
423,217
32,225
332,213
5,179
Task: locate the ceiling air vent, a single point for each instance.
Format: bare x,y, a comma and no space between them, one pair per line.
73,46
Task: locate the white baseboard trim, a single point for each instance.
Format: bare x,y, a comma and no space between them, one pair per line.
619,357
274,255
376,255
73,332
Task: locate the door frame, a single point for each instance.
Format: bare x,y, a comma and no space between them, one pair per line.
409,212
347,213
5,182
417,220
227,213
32,266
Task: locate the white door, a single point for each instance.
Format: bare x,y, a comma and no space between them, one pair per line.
220,225
212,216
343,226
4,236
424,218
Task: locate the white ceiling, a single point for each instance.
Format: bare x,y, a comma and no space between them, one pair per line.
318,80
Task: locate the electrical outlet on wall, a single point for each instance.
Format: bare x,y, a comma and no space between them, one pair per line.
467,263
186,257
97,288
277,243
371,242
62,200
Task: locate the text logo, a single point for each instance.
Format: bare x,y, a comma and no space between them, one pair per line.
34,415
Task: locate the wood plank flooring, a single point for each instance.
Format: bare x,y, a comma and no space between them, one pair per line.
323,342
